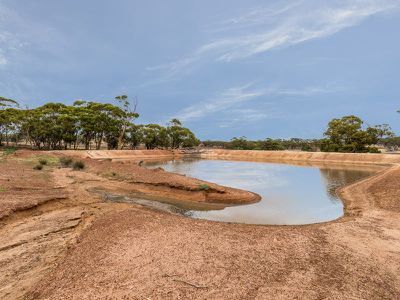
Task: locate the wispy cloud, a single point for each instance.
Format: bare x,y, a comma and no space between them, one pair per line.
224,100
263,29
232,100
246,115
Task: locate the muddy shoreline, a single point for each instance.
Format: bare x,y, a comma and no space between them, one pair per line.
95,249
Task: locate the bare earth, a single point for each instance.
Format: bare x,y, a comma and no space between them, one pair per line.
61,240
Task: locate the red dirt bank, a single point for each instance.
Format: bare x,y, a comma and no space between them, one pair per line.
130,252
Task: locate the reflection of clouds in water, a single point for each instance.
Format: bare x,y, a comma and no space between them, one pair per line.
290,194
245,175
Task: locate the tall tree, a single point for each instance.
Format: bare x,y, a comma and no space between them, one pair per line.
346,135
129,114
180,136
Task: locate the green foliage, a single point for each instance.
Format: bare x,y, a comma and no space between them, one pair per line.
373,150
38,167
43,161
9,150
347,135
91,124
65,162
390,143
180,136
78,165
2,189
272,145
5,102
240,144
268,144
306,148
204,187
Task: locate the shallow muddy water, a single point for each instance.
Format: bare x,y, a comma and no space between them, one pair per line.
290,194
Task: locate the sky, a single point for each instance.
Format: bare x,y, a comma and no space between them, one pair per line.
225,68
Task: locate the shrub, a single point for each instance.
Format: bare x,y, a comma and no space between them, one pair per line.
78,165
306,148
373,150
65,162
2,189
38,167
113,174
204,187
43,161
10,150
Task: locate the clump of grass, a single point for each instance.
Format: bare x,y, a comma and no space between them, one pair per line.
78,165
65,162
204,187
2,189
43,161
9,150
38,167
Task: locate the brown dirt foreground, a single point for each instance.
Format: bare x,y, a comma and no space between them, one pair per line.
82,248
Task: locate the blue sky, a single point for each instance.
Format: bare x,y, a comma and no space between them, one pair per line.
226,68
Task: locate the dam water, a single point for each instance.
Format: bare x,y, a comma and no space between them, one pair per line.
291,194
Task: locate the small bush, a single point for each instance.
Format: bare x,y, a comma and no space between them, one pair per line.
65,162
113,174
204,187
306,148
38,167
43,161
373,150
10,150
78,165
2,189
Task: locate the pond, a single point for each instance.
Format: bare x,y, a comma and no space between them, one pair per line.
291,194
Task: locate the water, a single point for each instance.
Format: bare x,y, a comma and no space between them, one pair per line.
290,194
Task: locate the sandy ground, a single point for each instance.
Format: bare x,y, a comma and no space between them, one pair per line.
80,247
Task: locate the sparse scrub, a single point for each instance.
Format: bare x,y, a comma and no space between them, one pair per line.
78,165
10,150
204,187
38,167
65,162
2,189
43,161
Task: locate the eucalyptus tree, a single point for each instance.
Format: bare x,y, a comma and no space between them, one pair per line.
61,126
7,119
5,102
135,135
180,136
155,136
347,135
99,122
126,118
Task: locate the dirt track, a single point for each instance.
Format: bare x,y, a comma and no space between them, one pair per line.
129,252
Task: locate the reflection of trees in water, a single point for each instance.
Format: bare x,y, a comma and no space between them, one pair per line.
181,166
337,178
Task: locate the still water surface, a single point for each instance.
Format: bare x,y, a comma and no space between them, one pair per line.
290,194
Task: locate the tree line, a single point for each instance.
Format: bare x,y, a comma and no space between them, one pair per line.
90,125
87,124
346,134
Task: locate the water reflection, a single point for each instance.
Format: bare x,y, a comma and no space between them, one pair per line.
291,194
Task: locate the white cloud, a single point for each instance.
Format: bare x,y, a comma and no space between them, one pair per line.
3,60
227,98
231,101
263,29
